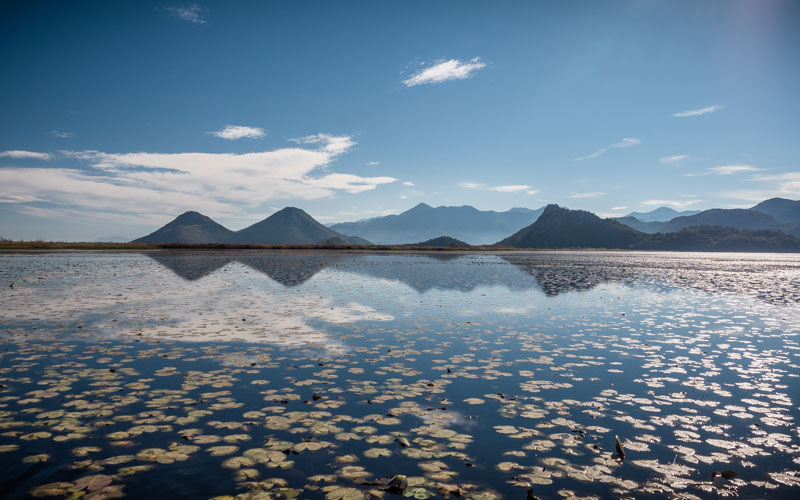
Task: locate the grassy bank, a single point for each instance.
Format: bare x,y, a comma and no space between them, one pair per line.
56,245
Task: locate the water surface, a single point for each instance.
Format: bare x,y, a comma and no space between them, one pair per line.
325,374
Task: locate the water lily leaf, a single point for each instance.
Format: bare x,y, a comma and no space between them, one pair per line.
35,459
51,489
91,483
342,493
129,471
377,452
222,450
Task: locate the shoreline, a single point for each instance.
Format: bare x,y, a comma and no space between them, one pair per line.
38,246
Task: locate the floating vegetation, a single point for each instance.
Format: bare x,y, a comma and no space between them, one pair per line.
351,376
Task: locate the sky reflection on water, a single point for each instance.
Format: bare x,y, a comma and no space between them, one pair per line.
523,366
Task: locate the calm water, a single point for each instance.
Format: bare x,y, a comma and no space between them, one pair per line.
313,375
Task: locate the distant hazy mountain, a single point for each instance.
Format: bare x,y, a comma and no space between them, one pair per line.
290,226
443,241
661,214
424,222
781,209
189,227
645,227
345,240
563,228
111,239
740,218
776,214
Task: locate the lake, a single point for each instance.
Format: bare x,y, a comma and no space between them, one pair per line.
348,375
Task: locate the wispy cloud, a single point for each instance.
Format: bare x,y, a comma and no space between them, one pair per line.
626,142
593,194
373,163
616,209
224,184
733,169
442,71
724,170
514,188
697,112
191,13
25,154
61,134
233,132
408,183
330,143
785,185
672,159
678,204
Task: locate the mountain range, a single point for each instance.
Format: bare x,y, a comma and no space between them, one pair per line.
661,214
559,227
424,222
288,226
772,225
754,218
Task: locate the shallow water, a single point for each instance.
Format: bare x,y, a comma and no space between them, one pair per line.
311,375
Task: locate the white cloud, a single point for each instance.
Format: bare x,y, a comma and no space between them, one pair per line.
733,169
408,183
442,71
785,185
25,154
514,188
61,134
698,112
373,163
192,13
672,159
224,184
725,170
593,194
615,209
626,142
232,132
330,143
680,205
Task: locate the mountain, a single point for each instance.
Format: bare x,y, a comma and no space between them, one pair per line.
661,214
345,240
722,239
564,228
189,227
639,225
111,239
424,222
781,209
290,226
740,218
443,241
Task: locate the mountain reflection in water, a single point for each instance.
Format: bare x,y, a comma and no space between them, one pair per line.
769,278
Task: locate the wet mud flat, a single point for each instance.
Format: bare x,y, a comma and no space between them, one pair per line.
320,375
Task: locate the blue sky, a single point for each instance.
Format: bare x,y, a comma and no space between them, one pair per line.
118,116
